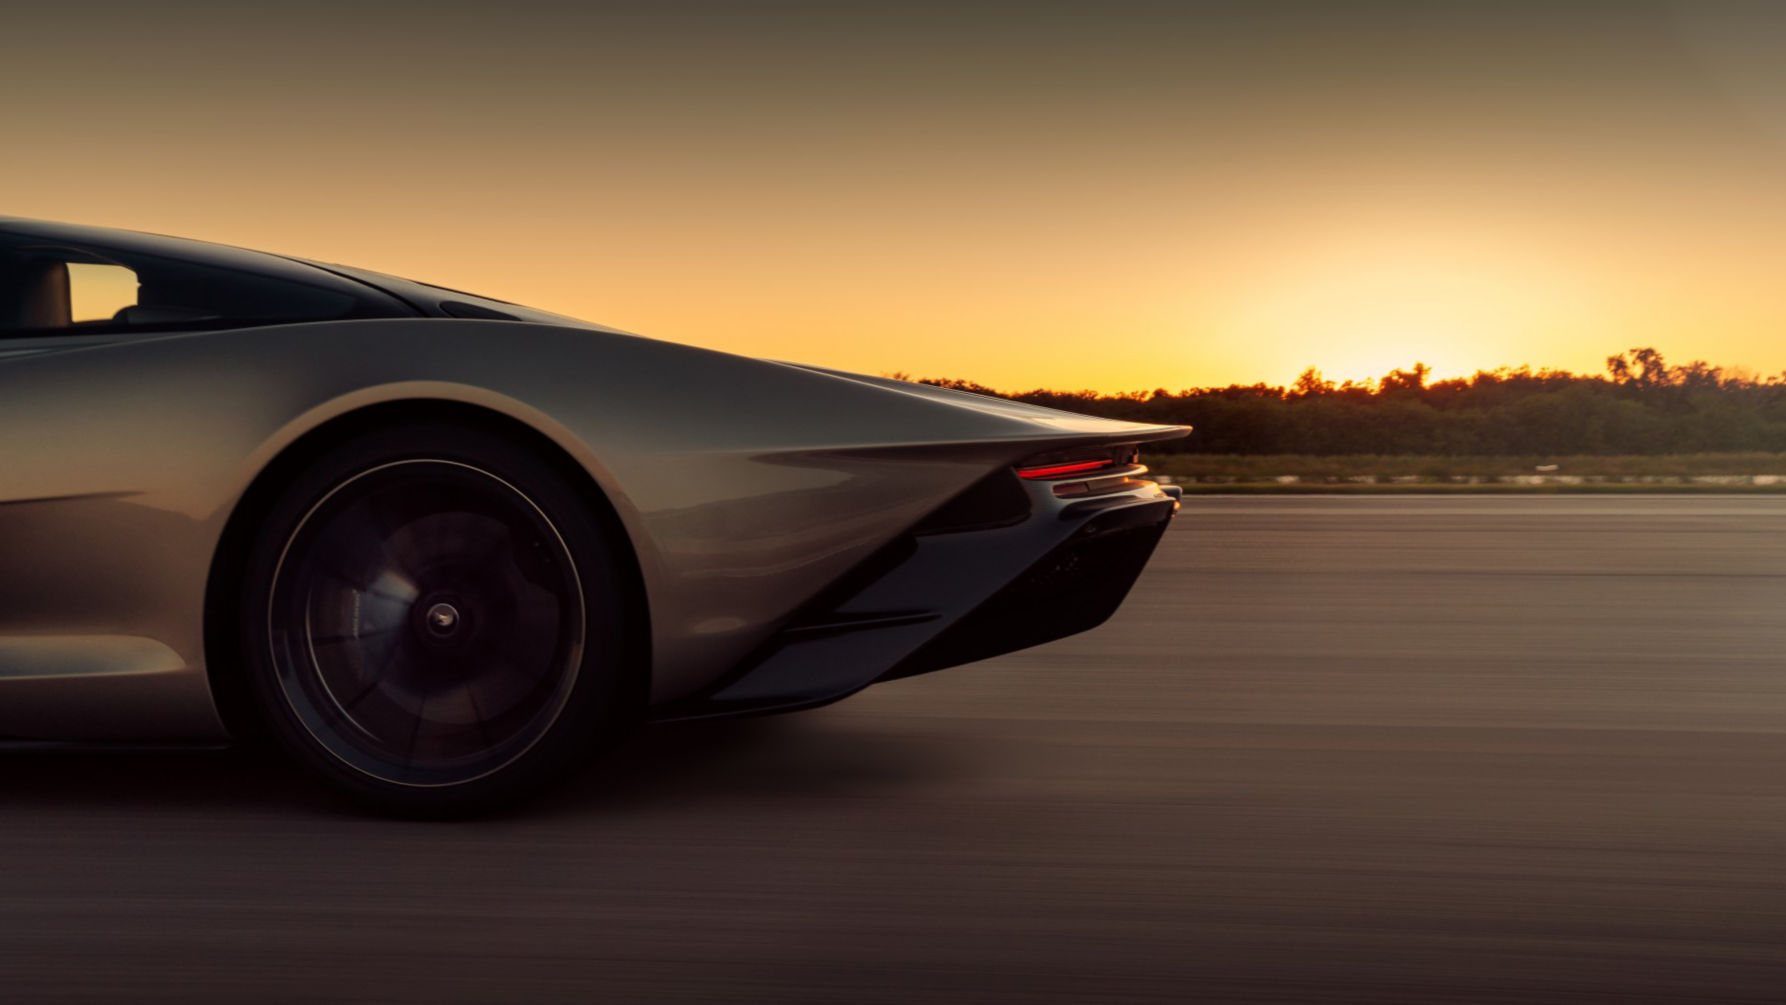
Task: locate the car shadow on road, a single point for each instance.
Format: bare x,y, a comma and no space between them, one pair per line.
67,776
806,755
661,765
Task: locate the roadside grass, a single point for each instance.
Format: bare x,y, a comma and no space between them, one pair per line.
1374,473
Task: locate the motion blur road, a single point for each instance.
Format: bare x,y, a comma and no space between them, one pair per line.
1389,749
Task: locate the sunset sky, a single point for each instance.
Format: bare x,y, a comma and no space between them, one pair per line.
1114,195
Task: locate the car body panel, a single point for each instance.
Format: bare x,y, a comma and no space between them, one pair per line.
746,486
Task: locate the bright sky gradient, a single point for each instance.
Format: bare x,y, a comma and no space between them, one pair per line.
1111,195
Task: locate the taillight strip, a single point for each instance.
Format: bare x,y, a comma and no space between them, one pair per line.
1062,470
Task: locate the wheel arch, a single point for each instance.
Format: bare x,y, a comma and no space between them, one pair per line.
229,561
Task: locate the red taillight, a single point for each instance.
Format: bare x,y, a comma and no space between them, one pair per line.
1062,470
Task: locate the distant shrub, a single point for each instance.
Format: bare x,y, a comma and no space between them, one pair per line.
1641,406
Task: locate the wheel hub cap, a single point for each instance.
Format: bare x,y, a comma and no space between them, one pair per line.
443,620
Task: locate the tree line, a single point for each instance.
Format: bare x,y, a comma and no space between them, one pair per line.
1641,405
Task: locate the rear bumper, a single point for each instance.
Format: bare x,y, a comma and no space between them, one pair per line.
965,585
1074,588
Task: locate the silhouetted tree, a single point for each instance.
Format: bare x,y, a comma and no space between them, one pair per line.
1642,406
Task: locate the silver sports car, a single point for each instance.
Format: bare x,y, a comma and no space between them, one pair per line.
440,548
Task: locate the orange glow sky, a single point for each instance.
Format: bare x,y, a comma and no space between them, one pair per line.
1117,195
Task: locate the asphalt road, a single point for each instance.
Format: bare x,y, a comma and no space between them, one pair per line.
1384,749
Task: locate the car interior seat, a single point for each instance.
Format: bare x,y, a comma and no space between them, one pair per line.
34,293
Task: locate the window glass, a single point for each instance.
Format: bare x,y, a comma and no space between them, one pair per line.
51,288
99,292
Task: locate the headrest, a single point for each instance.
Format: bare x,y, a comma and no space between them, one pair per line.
34,294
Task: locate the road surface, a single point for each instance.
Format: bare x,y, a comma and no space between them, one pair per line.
1392,749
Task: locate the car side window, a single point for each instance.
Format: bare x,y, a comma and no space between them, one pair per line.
48,288
97,292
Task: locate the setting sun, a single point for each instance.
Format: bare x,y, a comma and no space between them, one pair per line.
1358,313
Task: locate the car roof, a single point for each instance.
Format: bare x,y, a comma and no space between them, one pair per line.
205,252
408,291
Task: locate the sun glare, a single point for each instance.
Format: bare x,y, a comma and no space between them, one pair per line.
1359,318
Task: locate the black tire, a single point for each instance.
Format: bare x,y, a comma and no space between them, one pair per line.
435,621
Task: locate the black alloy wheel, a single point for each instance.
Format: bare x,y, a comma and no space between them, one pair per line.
436,621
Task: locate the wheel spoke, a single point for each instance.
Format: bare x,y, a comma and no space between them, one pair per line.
415,732
384,667
331,640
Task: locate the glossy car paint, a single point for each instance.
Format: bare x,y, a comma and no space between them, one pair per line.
745,486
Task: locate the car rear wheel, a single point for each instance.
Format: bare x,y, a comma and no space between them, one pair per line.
436,621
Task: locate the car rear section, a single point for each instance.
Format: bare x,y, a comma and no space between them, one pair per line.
1041,547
